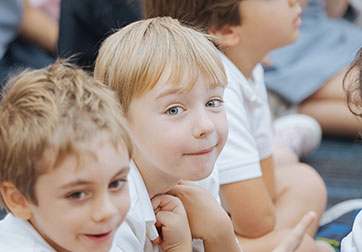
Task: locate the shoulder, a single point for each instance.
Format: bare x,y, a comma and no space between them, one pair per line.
16,235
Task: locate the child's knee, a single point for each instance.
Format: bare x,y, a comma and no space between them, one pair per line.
303,179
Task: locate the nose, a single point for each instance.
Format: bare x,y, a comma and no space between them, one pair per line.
203,125
104,209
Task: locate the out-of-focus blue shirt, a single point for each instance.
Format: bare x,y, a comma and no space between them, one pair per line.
10,18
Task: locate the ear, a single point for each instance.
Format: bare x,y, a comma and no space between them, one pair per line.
228,35
15,201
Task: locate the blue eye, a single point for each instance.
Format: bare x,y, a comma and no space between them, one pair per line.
214,103
174,110
77,196
117,184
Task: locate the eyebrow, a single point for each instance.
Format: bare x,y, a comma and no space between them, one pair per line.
169,91
123,171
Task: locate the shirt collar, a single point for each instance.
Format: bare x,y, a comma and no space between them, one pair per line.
145,209
247,86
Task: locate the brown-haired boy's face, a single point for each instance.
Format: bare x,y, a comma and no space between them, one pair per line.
82,202
269,23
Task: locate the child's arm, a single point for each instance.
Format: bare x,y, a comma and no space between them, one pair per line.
208,220
37,27
250,203
172,220
249,198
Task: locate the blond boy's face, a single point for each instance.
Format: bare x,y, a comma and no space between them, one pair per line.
178,135
83,201
269,24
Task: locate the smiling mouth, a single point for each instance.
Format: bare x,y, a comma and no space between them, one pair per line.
98,238
202,152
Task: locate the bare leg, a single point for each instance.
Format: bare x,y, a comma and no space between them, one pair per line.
272,240
329,107
284,156
300,189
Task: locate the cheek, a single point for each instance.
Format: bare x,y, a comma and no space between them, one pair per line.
124,204
222,128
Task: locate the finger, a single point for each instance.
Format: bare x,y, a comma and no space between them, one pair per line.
164,218
178,191
183,188
167,202
296,236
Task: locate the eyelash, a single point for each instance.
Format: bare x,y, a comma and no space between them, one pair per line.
178,107
120,182
81,195
73,195
181,109
218,100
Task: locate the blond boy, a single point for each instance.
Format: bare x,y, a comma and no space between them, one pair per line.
170,83
264,197
64,158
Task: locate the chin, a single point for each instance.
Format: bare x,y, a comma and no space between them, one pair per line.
293,38
203,174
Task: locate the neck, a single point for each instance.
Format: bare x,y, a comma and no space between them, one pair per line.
152,177
51,243
245,57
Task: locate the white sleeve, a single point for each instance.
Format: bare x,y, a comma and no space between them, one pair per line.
239,159
353,241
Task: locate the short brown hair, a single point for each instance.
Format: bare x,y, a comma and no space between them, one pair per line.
132,60
202,14
57,107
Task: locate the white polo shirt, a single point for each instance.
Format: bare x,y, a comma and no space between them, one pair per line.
250,136
138,230
353,241
17,235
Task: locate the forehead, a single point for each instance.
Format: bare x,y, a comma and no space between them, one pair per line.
79,155
176,80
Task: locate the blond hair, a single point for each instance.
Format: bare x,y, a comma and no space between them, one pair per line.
132,60
57,107
203,14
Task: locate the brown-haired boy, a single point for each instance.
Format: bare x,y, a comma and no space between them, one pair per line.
264,197
64,161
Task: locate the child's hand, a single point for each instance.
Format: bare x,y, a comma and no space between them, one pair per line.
296,236
172,220
208,220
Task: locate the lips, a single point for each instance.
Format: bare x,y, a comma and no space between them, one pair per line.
297,21
202,152
99,238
